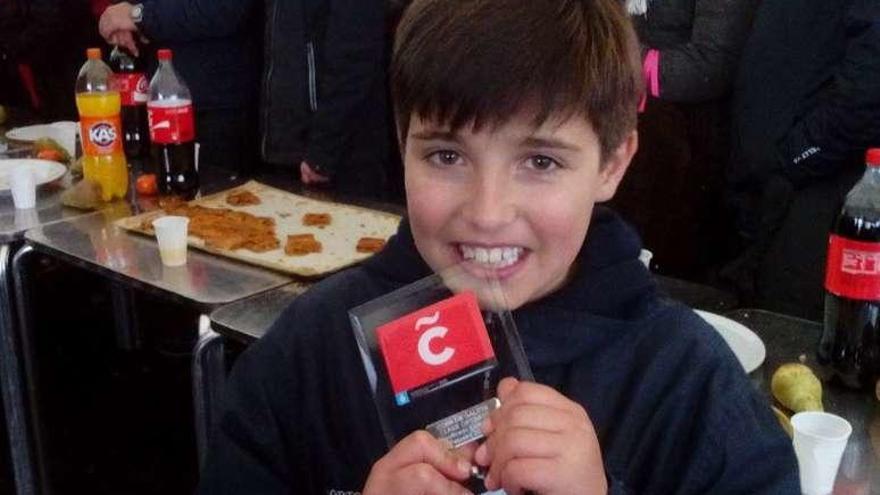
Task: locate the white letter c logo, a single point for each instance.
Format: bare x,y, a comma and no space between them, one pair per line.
429,357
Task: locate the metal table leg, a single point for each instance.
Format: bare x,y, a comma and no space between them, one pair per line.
22,284
128,336
12,385
209,379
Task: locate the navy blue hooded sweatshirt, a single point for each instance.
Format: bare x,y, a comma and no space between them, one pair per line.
673,409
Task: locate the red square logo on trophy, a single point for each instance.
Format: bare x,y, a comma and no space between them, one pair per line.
434,342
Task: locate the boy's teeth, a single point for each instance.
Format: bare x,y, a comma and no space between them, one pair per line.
498,257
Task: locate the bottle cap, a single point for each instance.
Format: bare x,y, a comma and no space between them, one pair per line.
93,53
163,54
872,157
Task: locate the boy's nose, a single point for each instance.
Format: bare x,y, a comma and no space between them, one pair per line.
492,204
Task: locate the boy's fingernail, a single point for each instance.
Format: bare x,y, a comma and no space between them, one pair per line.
464,466
480,454
486,426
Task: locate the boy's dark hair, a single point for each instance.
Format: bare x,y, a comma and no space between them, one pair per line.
482,61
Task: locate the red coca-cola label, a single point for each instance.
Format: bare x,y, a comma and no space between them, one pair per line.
171,124
853,268
133,88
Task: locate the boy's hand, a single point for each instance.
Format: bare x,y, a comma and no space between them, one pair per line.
420,465
540,441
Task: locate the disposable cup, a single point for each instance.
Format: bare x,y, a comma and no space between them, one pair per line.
24,187
819,441
171,232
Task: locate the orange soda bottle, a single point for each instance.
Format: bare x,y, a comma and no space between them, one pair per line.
100,127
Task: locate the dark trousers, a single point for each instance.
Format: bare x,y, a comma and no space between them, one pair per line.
790,275
228,139
672,192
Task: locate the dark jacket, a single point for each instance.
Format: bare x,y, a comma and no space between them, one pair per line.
700,42
673,409
806,106
807,99
322,97
324,91
30,33
216,47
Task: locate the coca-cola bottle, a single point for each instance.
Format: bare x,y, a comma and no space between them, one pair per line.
172,131
130,79
850,344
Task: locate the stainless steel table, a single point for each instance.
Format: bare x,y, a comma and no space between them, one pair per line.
245,321
13,224
787,339
92,242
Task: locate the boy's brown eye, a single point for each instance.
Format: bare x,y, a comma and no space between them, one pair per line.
446,157
540,162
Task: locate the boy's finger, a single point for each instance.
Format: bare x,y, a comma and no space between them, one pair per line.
423,479
522,443
506,387
521,476
535,393
534,416
422,447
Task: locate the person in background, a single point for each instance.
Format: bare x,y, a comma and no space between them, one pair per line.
323,116
690,51
806,107
35,59
217,51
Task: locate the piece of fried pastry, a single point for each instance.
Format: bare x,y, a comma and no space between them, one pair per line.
302,244
242,198
316,219
370,245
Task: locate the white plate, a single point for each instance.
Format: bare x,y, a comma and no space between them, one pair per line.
63,132
45,171
30,133
748,347
33,132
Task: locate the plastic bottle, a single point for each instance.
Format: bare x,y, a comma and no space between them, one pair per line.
850,344
100,127
172,131
130,79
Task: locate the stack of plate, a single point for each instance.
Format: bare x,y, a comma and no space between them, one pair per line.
63,133
45,171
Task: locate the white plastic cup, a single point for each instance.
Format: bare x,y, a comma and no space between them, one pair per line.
819,441
24,187
171,232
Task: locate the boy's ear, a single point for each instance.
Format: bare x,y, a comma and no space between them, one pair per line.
615,167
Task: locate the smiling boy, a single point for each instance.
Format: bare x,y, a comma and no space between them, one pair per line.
516,117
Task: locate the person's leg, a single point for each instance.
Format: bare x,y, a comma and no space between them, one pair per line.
227,139
655,195
364,172
790,277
